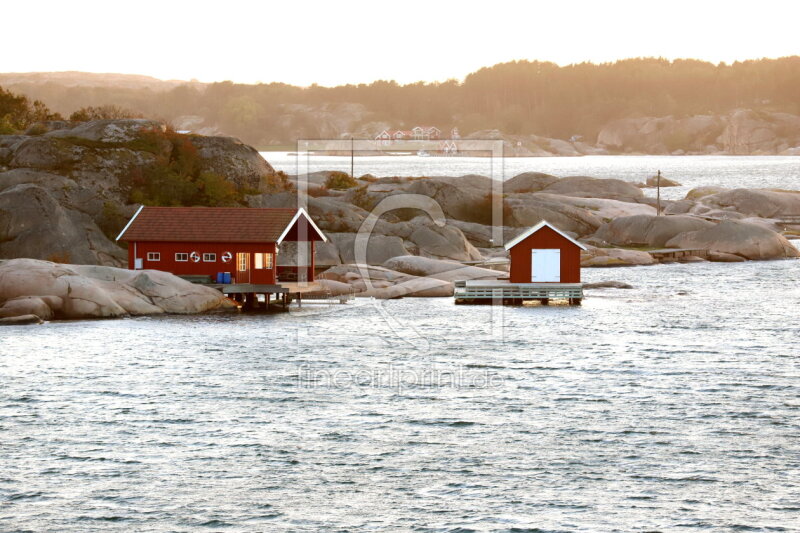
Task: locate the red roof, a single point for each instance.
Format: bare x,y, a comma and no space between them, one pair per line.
211,224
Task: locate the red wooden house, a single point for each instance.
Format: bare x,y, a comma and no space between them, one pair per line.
544,254
205,241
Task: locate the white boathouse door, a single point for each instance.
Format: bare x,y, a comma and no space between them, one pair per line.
546,265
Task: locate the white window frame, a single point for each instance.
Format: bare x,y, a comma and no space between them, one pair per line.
154,256
209,258
263,261
181,257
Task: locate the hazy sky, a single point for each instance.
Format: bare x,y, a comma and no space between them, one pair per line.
332,42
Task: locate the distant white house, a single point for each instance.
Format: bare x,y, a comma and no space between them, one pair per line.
448,147
426,133
417,133
388,136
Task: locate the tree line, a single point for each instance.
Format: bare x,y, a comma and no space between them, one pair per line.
518,97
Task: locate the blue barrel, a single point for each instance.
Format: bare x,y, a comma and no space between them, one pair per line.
220,277
226,277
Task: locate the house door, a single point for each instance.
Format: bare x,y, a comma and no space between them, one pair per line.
243,268
545,265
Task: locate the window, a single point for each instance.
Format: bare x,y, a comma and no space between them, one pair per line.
153,256
181,258
243,259
263,261
209,258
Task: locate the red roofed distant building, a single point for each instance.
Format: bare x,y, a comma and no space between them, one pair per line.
204,241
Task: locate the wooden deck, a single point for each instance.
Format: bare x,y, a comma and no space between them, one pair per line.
313,292
489,291
789,220
247,295
783,220
676,253
248,288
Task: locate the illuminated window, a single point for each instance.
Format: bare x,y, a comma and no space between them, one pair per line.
242,258
263,261
153,256
181,258
209,258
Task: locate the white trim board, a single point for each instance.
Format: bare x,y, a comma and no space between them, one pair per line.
296,216
519,238
121,233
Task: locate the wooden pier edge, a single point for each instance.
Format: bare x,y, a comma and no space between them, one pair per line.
489,292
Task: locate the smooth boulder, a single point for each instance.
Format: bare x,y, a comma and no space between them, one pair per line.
587,187
21,320
441,242
528,209
240,163
443,270
614,257
109,130
529,182
379,248
703,191
751,241
655,181
648,230
88,291
764,203
31,305
34,224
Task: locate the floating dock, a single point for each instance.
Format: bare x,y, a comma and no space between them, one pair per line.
478,292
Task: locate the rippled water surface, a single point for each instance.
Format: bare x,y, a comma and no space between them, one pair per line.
673,406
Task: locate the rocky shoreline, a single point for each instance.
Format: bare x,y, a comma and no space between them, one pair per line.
32,291
65,193
738,132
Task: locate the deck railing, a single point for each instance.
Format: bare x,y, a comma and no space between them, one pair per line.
517,291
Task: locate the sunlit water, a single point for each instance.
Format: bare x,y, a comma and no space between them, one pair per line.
673,406
691,171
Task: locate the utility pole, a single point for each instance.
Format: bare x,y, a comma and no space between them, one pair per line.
658,193
352,175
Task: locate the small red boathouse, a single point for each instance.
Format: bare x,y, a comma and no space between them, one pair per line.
206,241
545,265
545,254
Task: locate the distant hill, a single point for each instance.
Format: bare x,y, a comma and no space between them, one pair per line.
632,105
89,79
